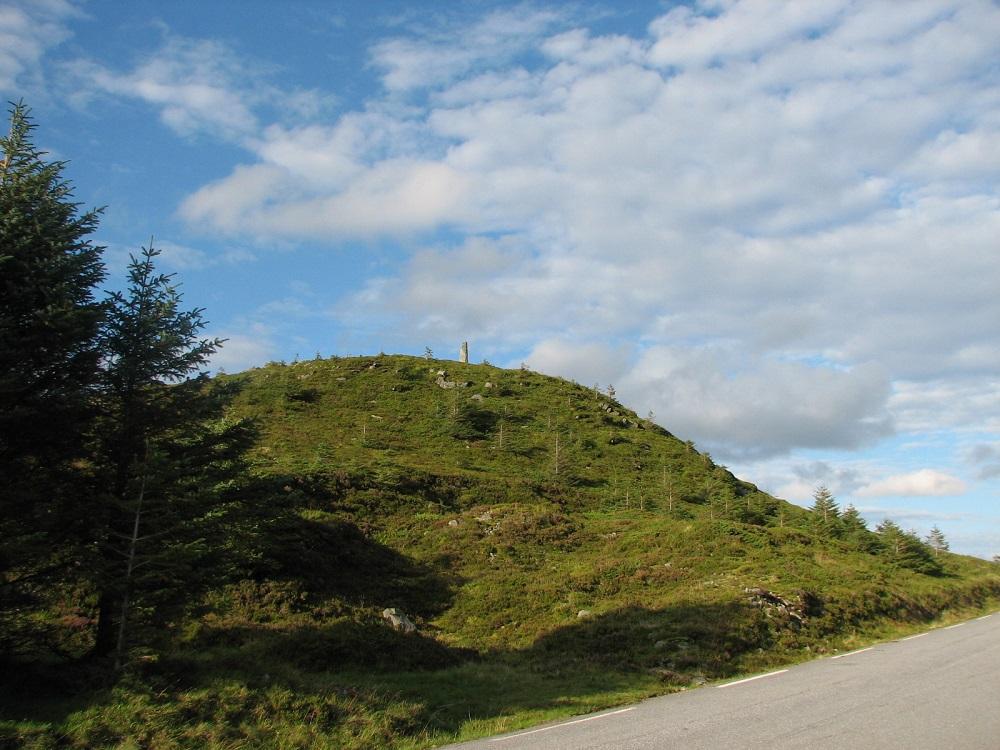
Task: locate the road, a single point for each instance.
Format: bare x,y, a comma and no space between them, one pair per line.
939,689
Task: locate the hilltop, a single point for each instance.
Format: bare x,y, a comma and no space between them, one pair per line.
555,551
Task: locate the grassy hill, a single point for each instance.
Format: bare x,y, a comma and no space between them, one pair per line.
556,552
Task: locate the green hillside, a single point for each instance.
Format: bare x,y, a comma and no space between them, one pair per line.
556,552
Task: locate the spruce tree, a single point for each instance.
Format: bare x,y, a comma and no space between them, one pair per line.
904,548
49,321
164,454
856,532
852,520
827,514
936,541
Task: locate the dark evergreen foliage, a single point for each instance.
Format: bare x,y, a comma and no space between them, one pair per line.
166,457
904,548
49,357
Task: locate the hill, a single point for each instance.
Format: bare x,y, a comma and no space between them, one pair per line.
556,553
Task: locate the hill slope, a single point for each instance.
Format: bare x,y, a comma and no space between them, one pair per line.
556,552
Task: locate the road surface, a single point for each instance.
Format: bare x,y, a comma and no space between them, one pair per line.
939,689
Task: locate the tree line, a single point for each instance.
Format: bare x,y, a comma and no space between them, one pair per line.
900,547
120,488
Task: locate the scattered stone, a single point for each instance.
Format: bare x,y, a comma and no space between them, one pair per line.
398,621
771,603
476,397
454,522
485,517
488,385
584,614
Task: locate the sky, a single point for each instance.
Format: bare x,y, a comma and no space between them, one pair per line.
774,225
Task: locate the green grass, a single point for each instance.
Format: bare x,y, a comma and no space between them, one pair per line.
558,554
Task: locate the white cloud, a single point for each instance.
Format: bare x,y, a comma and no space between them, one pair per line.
243,350
179,257
957,403
586,363
787,212
925,482
686,38
762,409
437,59
27,31
198,86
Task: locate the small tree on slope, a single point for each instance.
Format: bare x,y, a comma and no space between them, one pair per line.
936,541
164,453
827,516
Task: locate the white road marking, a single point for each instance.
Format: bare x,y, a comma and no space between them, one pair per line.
911,637
852,653
956,625
984,617
751,679
564,724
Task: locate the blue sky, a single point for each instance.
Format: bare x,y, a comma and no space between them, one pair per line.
772,224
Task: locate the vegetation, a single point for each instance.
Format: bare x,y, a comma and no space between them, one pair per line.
49,325
557,553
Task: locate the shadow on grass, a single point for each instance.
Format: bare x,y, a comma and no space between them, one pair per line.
332,558
597,661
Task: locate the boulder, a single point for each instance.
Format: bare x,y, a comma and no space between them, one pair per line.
398,620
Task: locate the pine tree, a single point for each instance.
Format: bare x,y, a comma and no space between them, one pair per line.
827,516
49,322
163,452
936,541
852,520
905,549
856,531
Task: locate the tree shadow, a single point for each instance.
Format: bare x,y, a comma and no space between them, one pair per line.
335,558
577,666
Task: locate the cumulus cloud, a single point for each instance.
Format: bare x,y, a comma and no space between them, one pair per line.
763,409
27,30
590,364
922,483
198,86
441,56
774,224
242,350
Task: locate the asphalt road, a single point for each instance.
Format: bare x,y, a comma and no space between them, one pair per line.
939,689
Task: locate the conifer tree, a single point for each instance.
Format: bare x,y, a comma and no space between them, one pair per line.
936,541
905,549
827,516
856,531
162,455
852,520
49,322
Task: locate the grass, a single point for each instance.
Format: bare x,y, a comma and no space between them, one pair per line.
558,553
